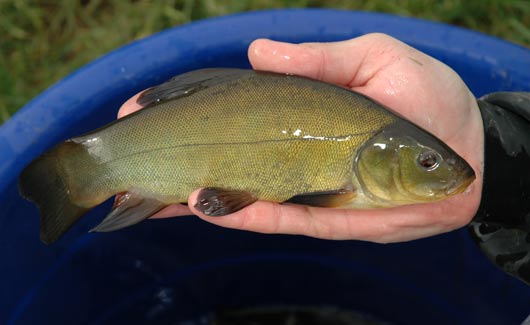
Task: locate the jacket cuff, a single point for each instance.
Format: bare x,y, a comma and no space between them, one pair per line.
501,227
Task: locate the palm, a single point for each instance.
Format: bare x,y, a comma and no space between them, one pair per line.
413,84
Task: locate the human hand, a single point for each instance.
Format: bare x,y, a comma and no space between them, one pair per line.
417,86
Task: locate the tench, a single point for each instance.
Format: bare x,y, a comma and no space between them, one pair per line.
246,136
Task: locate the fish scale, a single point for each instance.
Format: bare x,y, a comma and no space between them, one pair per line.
189,154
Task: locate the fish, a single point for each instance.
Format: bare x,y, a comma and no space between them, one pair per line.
243,136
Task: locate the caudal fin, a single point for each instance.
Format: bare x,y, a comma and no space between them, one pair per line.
43,183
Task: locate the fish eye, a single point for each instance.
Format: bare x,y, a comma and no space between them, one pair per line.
429,160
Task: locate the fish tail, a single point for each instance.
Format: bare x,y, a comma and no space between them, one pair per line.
43,182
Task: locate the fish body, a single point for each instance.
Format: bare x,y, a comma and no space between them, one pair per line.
271,136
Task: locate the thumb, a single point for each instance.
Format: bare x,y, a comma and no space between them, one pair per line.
349,63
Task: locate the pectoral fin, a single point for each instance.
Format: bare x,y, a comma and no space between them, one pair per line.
329,199
215,202
129,209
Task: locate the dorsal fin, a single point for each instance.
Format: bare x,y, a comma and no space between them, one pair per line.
189,83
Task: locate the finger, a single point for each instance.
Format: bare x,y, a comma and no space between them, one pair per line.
376,65
310,60
350,63
175,210
382,225
130,106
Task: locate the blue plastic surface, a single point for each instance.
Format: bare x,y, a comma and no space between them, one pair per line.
176,269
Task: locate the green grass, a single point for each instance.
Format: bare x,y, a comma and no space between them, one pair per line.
43,41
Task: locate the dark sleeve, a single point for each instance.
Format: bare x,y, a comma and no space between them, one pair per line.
501,227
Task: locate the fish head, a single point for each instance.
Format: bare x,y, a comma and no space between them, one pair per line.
404,164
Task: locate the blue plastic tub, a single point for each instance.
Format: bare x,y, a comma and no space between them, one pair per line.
178,269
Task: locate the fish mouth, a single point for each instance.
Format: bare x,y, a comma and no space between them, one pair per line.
468,176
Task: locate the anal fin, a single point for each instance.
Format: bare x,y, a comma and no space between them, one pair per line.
129,209
327,199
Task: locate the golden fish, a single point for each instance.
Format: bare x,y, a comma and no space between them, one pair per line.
245,135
